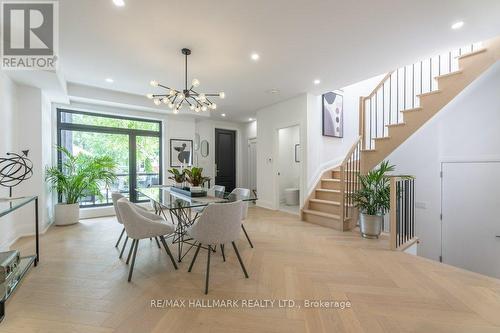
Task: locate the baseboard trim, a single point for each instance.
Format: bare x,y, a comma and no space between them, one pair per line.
29,234
265,204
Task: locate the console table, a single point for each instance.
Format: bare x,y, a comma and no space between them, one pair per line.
7,206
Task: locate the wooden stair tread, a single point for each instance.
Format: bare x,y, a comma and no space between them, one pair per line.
382,138
368,150
429,93
396,124
471,53
413,109
333,180
326,202
327,190
318,213
448,74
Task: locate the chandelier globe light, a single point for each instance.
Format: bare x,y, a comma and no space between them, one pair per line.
188,97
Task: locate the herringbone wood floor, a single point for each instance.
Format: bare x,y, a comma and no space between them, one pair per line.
81,286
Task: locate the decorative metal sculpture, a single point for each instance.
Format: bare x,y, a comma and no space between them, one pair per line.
15,169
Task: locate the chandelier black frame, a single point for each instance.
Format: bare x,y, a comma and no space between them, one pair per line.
175,99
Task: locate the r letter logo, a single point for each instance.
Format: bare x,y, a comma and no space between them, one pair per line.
29,35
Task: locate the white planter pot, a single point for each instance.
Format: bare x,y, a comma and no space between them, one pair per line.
67,214
370,225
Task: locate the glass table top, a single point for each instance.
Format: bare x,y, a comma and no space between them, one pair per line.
8,205
173,200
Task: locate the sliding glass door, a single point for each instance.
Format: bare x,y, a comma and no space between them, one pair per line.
135,145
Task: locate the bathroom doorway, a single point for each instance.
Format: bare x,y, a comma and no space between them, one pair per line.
289,169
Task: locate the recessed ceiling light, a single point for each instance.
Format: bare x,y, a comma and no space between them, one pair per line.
119,3
250,119
273,91
317,81
223,114
255,56
110,80
457,25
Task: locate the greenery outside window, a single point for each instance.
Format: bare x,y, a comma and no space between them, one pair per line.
135,145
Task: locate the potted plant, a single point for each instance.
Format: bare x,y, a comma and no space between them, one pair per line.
80,176
194,176
177,176
373,199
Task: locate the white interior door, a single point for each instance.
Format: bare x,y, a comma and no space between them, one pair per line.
471,216
252,164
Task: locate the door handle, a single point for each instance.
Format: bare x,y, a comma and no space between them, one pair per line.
498,236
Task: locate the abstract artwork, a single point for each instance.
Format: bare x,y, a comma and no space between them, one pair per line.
14,169
333,115
181,153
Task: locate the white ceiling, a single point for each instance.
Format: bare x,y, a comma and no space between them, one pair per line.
339,42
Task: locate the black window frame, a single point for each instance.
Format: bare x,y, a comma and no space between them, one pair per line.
132,135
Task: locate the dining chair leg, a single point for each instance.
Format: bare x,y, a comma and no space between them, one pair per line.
131,270
157,242
123,248
168,251
239,259
246,235
222,250
130,251
208,269
119,239
194,258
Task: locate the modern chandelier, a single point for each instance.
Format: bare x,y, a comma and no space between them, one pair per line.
176,99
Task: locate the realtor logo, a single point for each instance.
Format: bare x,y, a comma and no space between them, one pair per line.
29,35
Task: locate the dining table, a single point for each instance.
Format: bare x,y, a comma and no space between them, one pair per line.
183,210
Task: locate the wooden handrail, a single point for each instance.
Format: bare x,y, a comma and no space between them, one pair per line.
362,127
381,83
350,152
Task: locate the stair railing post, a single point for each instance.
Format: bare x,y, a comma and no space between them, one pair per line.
362,121
342,194
393,213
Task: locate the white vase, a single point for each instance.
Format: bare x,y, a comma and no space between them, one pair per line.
66,214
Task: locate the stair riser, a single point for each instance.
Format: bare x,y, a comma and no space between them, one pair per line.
330,185
325,208
324,221
335,196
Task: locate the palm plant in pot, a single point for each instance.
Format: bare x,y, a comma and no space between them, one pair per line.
373,199
79,176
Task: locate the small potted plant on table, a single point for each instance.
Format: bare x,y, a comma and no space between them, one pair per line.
179,177
195,177
373,200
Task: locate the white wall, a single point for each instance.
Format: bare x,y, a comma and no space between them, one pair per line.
25,125
288,169
326,152
270,119
8,142
249,132
466,129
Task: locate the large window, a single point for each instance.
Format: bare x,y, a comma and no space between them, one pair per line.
135,145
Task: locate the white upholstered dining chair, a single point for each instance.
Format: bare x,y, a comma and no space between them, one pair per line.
142,225
242,194
115,196
219,224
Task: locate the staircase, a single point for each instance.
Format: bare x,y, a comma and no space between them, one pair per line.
400,104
